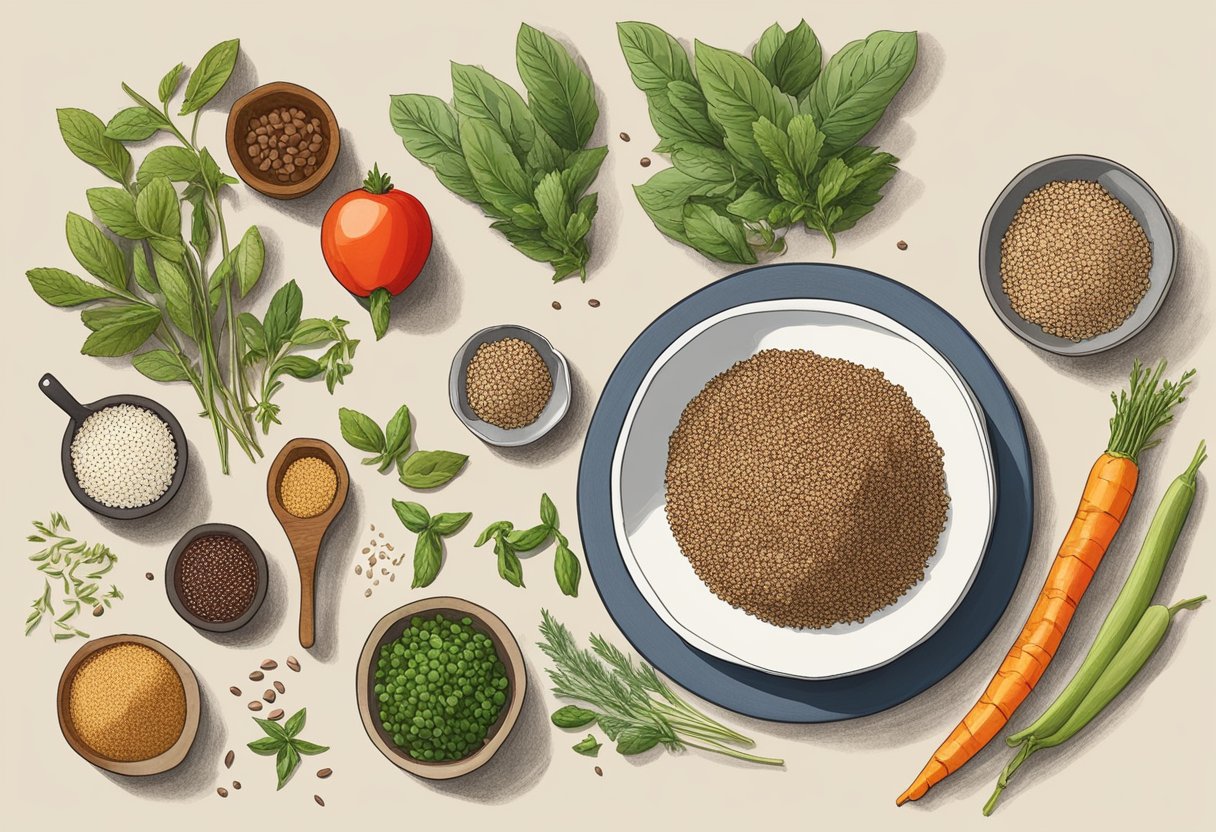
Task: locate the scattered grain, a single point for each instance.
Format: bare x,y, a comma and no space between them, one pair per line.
645,162
901,245
228,758
325,772
293,664
507,383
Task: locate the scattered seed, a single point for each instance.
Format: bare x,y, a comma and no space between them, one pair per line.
388,546
624,137
383,571
255,705
645,162
366,550
381,534
269,695
325,772
280,687
593,303
98,610
367,593
557,305
228,758
234,690
236,784
392,577
276,714
293,663
901,245
149,576
376,582
221,791
269,664
358,569
257,676
317,798
599,771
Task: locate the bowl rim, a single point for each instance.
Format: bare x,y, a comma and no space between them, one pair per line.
456,374
179,474
163,762
508,652
1078,349
260,567
248,176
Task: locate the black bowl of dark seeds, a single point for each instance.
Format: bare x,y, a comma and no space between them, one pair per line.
216,577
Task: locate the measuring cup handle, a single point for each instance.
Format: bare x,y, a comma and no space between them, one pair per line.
59,394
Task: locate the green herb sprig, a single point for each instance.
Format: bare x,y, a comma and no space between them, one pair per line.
420,469
632,705
284,744
428,548
509,541
162,285
761,145
76,566
527,165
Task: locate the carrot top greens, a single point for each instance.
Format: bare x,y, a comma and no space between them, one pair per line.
1143,409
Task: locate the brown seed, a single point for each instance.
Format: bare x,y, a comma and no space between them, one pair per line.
392,577
234,690
645,162
257,676
98,610
599,771
358,569
557,304
325,772
367,593
221,791
901,245
236,784
255,705
593,303
149,576
269,695
280,687
624,137
228,758
293,663
268,664
317,798
276,714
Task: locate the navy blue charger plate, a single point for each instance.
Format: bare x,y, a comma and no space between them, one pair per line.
754,692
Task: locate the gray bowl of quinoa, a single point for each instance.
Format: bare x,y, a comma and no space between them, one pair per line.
1015,298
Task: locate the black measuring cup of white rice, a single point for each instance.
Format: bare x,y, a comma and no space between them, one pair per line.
116,483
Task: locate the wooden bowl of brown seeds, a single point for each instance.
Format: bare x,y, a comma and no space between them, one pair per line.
282,139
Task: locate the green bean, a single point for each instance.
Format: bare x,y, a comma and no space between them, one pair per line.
1133,600
1146,636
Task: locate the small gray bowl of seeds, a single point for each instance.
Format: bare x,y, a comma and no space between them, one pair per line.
509,386
1077,254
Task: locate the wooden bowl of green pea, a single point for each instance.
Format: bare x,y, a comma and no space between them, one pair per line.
440,685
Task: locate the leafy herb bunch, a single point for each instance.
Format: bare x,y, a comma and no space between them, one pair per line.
761,145
527,165
155,283
283,742
510,541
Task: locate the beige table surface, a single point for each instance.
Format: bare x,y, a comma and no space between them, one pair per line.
993,92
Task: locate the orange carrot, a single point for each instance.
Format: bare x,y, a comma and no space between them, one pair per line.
1104,503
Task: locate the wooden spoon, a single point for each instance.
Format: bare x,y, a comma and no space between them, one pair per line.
306,534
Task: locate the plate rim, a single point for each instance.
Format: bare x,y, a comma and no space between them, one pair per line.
781,699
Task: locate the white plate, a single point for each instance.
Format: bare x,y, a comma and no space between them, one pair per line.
832,328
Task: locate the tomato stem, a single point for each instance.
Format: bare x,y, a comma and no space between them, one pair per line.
377,182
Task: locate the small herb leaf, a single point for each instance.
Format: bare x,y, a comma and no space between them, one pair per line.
449,522
428,558
84,134
548,511
360,431
412,515
588,747
266,746
567,569
572,716
509,567
431,469
169,83
60,288
135,124
96,252
380,301
210,75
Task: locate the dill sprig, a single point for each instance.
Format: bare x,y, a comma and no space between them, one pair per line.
634,707
79,567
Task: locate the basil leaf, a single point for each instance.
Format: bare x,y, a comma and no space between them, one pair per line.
266,746
654,57
84,134
805,145
587,208
499,177
559,93
135,124
582,167
525,540
295,723
492,530
716,236
572,716
509,567
589,747
738,95
178,297
123,333
775,145
397,436
479,95
704,162
426,124
116,208
285,764
548,511
689,104
412,515
60,288
545,156
96,252
431,469
863,199
311,331
796,63
210,75
858,82
309,748
360,431
160,365
248,258
380,309
157,210
766,49
169,83
273,729
428,558
567,569
636,740
297,366
178,164
552,203
449,522
754,205
283,316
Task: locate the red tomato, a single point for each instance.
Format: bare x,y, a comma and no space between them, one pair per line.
375,241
